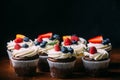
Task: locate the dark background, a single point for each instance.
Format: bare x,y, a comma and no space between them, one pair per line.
87,18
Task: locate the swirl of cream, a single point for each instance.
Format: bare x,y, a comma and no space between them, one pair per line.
25,52
59,55
11,44
107,47
100,55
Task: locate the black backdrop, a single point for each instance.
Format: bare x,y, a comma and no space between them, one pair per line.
87,18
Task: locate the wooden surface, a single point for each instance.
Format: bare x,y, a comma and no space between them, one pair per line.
7,72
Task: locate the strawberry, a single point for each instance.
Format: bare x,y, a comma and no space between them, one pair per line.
46,35
92,50
97,39
18,40
74,38
17,46
39,39
57,47
67,41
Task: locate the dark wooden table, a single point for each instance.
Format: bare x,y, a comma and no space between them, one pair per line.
7,72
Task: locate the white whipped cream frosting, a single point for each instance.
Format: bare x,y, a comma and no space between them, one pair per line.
107,47
59,55
25,52
101,54
11,44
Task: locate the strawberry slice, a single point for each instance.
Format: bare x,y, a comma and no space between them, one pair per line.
18,40
67,41
17,46
46,35
97,39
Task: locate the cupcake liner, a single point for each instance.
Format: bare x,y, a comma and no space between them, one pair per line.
25,67
9,54
61,69
96,68
43,64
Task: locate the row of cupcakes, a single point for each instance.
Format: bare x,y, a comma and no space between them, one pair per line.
60,57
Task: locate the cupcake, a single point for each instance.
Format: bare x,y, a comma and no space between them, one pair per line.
45,42
61,61
100,43
25,60
96,61
20,39
79,46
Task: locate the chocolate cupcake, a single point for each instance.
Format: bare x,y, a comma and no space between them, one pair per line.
79,46
96,62
61,61
45,42
25,61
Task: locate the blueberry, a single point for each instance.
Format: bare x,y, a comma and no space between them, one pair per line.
56,36
36,43
70,50
44,42
26,39
64,49
106,41
74,42
42,45
51,38
25,46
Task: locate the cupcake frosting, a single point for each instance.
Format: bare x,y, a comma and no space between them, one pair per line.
101,54
59,55
11,44
107,47
20,39
25,52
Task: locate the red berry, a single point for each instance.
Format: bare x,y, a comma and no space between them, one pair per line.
17,47
97,39
39,39
92,50
57,47
74,38
18,40
67,41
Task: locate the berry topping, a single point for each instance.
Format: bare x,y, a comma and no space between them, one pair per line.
64,49
57,47
20,36
43,44
18,40
39,39
106,41
17,46
92,50
56,36
46,35
67,41
26,39
36,43
75,38
70,50
97,39
25,46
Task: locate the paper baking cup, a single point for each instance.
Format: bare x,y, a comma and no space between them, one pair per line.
61,69
25,67
96,68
